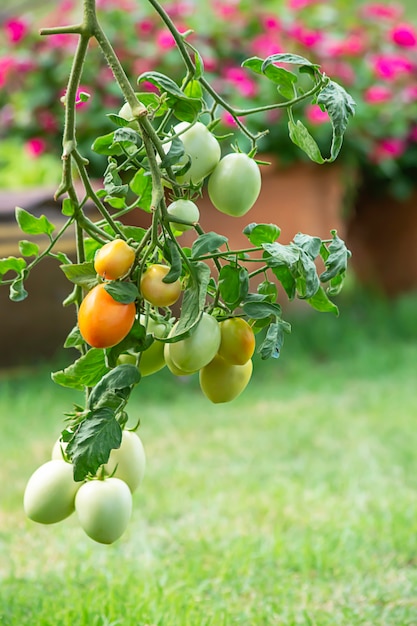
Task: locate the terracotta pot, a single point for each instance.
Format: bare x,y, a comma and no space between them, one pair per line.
382,235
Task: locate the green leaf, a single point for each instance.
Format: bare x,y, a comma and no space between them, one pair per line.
135,340
277,254
74,339
141,185
310,245
284,80
12,264
105,145
274,339
340,106
174,154
336,262
68,208
269,290
113,184
207,243
286,279
133,232
259,234
259,310
255,64
82,274
28,248
127,135
176,263
193,302
300,136
321,302
194,90
32,225
285,57
84,372
114,386
184,108
233,284
17,291
122,292
93,441
307,280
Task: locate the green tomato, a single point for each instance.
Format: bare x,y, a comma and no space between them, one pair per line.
170,364
184,210
235,184
50,492
202,148
58,450
104,508
191,354
129,461
221,381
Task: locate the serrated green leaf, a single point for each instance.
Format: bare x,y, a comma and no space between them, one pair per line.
28,248
193,301
127,135
233,284
277,254
274,339
259,234
93,441
207,243
300,136
311,245
141,185
82,274
84,372
176,263
260,310
321,302
336,262
114,386
122,292
32,225
307,280
339,105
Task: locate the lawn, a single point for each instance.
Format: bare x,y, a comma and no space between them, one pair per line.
294,505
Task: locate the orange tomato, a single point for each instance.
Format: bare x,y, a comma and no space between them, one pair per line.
154,290
114,259
237,343
104,322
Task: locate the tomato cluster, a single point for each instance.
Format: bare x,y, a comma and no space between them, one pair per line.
103,504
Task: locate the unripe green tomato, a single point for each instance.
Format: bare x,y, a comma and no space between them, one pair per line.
203,149
184,210
59,447
50,492
221,381
171,365
104,508
235,184
191,354
129,460
237,341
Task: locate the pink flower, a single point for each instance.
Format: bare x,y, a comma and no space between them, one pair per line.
413,134
381,11
390,148
315,115
6,65
78,103
301,4
228,119
144,27
377,94
16,29
271,22
390,66
305,36
226,9
239,78
404,35
164,39
264,45
410,93
35,147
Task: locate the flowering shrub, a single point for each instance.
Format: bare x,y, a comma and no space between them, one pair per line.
370,49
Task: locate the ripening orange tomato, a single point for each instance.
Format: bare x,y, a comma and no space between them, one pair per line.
104,322
154,290
237,343
114,259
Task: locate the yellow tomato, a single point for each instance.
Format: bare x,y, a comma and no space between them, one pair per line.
221,381
237,343
155,291
114,259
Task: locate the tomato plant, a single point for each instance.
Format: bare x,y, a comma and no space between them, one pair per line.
155,290
114,259
104,508
237,343
140,298
221,381
102,320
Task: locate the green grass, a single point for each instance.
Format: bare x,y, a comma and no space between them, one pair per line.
294,505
